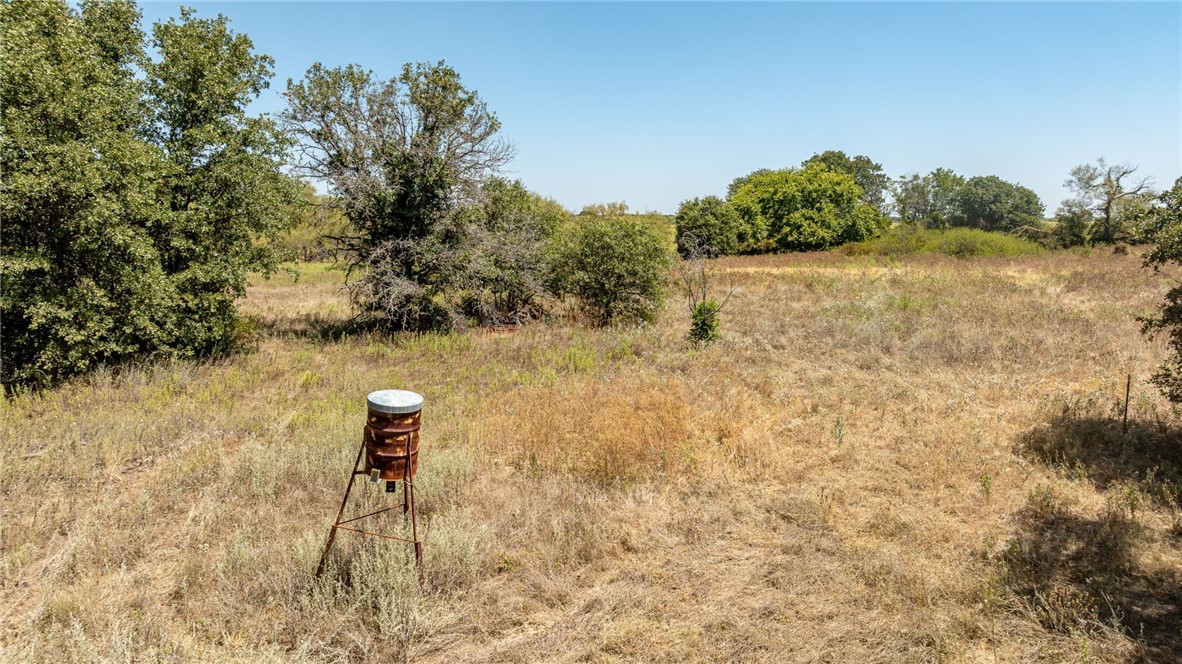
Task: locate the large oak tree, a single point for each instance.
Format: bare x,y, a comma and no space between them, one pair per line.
992,204
1110,194
413,161
134,186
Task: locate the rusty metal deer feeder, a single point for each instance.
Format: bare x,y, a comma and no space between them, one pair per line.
390,447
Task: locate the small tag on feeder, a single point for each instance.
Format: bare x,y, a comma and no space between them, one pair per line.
391,485
375,475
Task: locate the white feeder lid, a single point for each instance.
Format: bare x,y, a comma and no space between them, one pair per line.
395,401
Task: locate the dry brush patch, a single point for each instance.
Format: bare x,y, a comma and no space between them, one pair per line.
888,460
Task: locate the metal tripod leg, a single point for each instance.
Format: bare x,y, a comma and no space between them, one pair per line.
332,534
408,508
408,489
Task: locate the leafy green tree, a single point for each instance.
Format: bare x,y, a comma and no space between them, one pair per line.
502,279
805,209
1112,193
505,200
1163,223
708,226
407,158
743,180
616,267
82,281
1073,225
222,179
928,201
98,261
868,174
992,204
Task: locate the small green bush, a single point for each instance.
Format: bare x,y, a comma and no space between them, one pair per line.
907,240
704,324
616,267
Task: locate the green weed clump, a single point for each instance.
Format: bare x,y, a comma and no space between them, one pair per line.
705,326
956,242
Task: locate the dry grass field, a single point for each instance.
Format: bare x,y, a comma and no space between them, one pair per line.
908,461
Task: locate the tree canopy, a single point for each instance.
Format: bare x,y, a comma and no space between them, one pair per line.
928,201
1110,194
400,154
992,204
804,209
708,227
1163,223
438,240
612,209
130,203
222,182
865,171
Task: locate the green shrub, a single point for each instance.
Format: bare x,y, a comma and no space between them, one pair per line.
704,324
969,243
663,225
906,240
500,277
707,226
903,240
616,267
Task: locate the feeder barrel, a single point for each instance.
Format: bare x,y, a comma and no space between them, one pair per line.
392,434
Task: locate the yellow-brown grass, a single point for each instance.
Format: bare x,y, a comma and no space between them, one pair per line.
881,461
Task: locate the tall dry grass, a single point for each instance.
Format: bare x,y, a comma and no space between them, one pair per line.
914,460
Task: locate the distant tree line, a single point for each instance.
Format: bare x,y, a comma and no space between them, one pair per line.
832,199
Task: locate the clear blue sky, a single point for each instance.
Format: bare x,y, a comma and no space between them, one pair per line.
656,103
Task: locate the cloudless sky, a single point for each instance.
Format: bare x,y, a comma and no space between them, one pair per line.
655,103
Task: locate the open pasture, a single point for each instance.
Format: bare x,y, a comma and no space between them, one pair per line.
913,460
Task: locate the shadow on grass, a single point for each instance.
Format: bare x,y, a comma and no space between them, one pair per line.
1148,454
310,326
1079,572
325,329
1076,573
